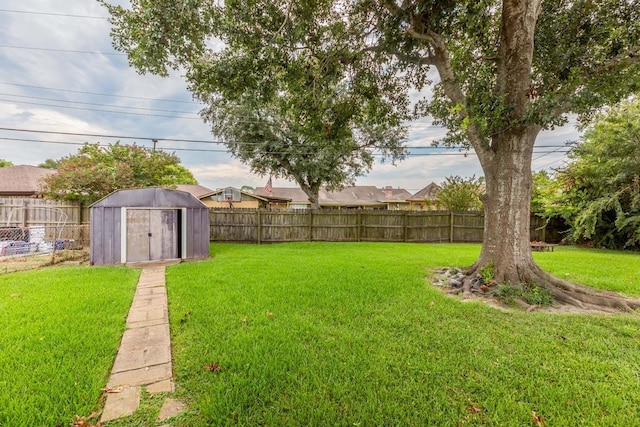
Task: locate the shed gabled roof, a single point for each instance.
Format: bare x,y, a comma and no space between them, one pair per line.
22,180
151,197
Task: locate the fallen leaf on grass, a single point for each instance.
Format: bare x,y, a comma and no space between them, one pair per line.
14,295
474,409
537,419
84,421
212,367
270,314
185,317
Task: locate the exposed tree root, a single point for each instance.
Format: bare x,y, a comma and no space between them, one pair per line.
564,292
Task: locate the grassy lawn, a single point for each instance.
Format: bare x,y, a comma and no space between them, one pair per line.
59,332
352,334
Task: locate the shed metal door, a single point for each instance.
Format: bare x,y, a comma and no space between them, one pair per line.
152,234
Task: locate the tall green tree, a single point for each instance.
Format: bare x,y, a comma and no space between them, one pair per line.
4,163
96,171
601,184
507,70
296,91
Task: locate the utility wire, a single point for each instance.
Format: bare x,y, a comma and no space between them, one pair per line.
96,104
201,141
209,150
94,93
66,15
6,46
99,110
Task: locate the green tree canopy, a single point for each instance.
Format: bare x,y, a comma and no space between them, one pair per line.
5,163
600,188
297,91
50,164
460,194
96,171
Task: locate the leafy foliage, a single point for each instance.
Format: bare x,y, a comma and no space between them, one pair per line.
598,193
94,172
4,163
461,194
298,91
50,164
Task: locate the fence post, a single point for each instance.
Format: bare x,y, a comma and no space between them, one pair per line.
259,219
404,226
79,213
25,213
451,219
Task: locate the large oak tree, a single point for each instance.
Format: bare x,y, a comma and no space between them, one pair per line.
295,91
507,70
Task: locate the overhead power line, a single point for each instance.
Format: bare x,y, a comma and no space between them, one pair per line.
95,93
6,46
210,150
97,104
96,135
99,110
202,141
66,15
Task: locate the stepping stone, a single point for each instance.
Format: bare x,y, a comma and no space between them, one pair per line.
171,408
121,404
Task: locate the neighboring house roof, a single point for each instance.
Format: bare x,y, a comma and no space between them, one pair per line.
196,191
395,194
429,192
250,195
290,194
360,195
23,180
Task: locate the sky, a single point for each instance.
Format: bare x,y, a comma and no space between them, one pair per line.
60,75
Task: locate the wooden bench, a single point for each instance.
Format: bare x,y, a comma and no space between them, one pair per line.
541,247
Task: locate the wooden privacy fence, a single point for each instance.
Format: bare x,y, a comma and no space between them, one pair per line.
25,212
352,226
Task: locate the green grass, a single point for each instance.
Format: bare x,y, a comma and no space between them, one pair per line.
59,332
603,269
352,334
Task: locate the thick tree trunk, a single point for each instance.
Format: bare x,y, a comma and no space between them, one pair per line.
506,243
507,206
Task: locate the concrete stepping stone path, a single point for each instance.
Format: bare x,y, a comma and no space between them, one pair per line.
144,357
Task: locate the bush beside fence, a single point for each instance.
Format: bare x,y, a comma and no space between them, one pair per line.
265,226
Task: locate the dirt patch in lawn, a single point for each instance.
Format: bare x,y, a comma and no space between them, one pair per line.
15,263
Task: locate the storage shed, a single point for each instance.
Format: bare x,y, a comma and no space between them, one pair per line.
148,224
